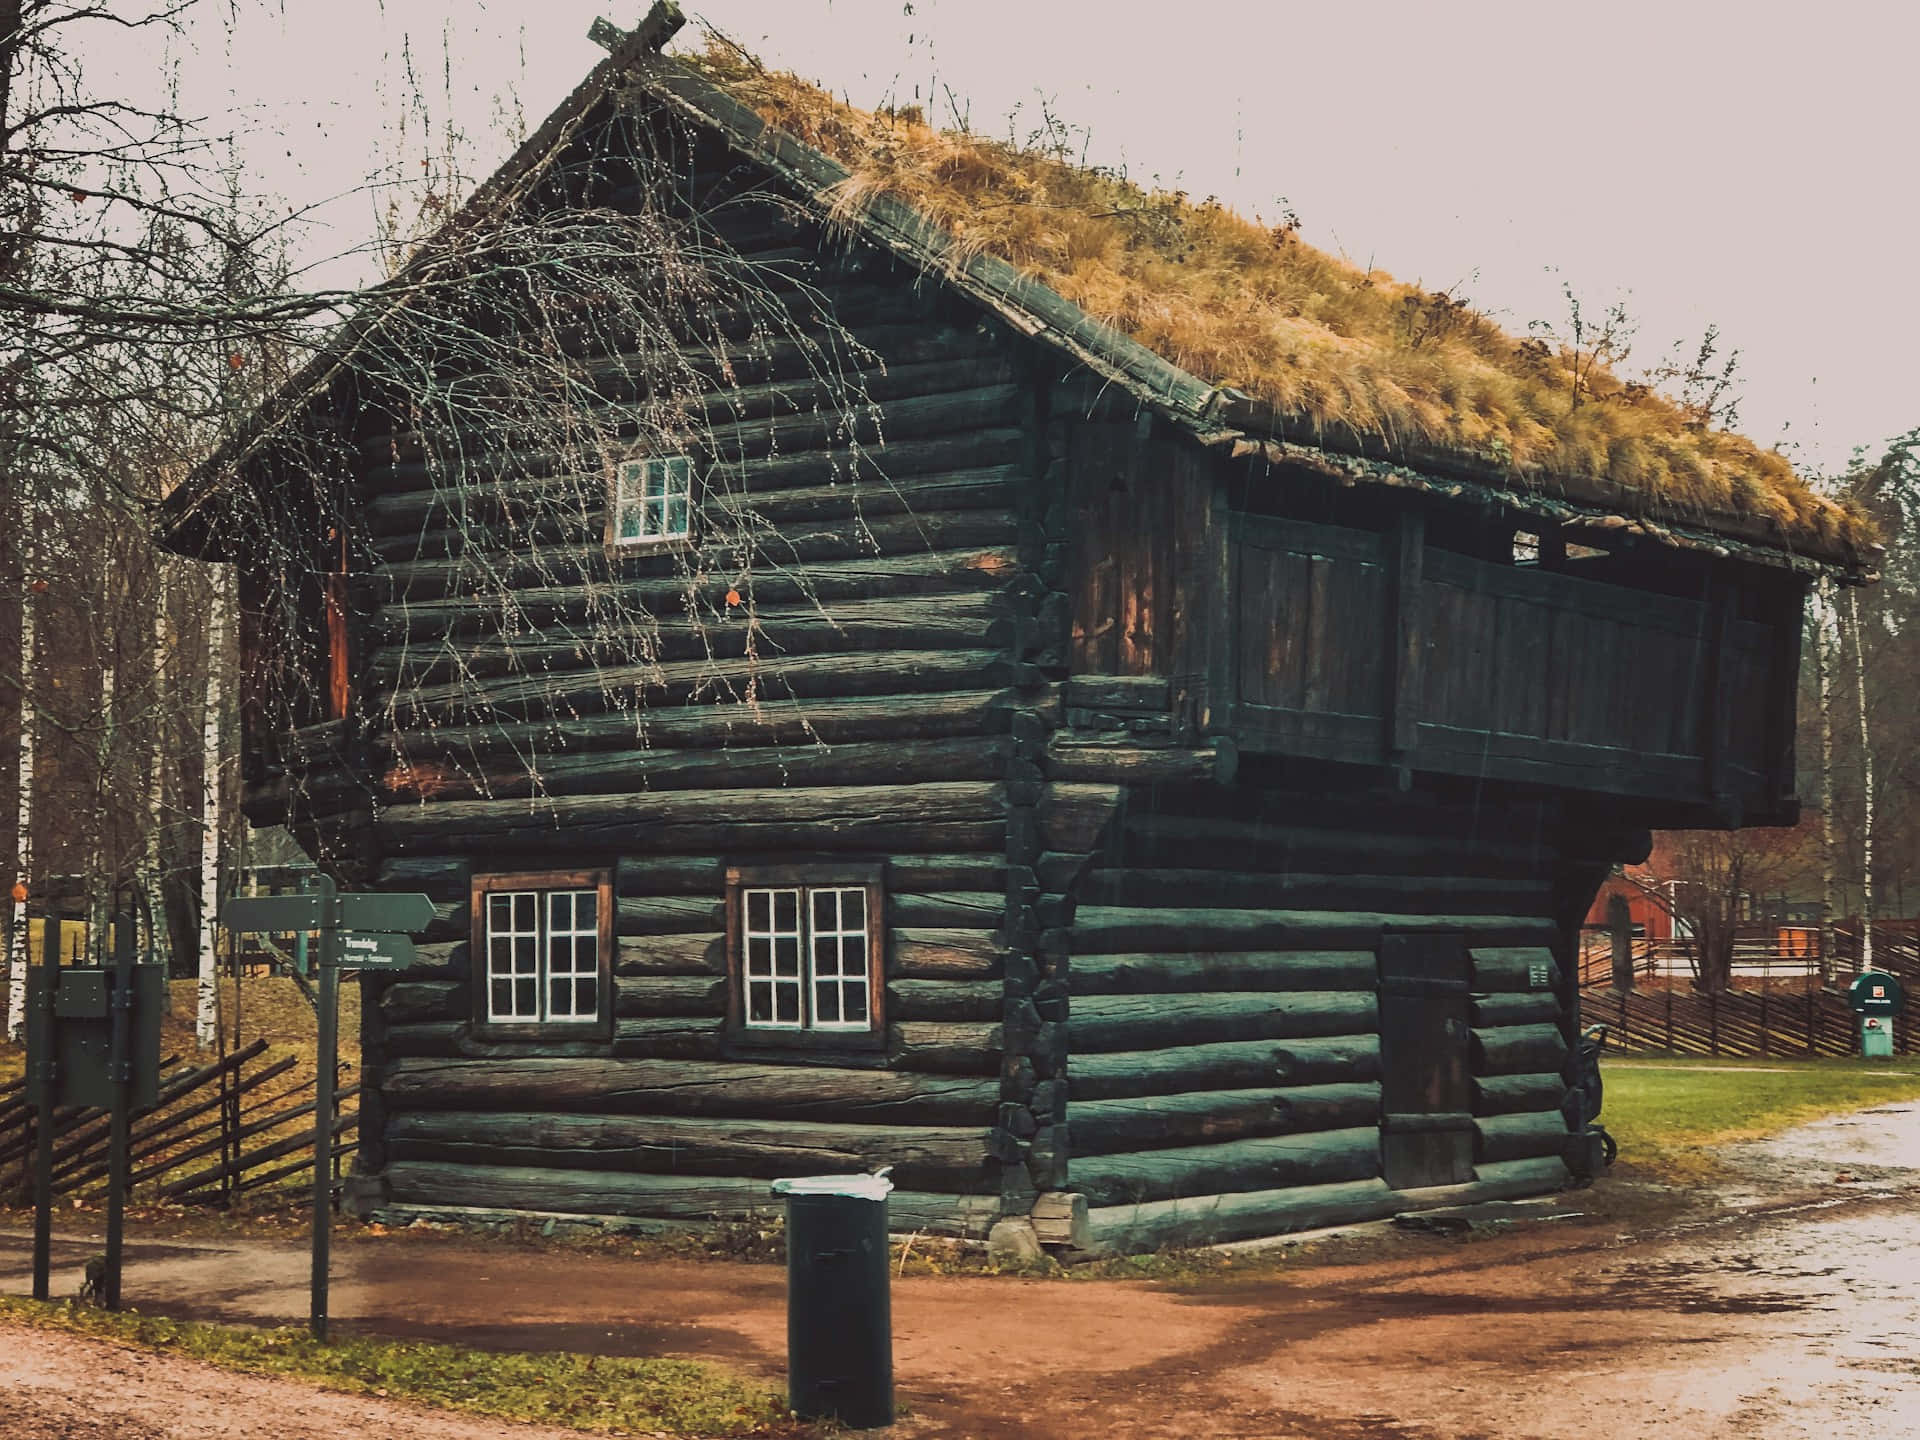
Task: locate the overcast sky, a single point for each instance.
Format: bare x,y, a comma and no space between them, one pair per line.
1704,163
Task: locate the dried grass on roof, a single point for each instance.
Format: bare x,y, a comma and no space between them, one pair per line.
1240,304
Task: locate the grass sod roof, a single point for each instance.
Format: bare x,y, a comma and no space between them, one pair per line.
1250,336
1323,351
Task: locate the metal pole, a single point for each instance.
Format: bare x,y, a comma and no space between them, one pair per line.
42,1020
329,995
120,1067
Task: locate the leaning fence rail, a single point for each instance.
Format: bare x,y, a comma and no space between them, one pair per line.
193,1146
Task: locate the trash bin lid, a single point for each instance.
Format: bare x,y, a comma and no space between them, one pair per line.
854,1187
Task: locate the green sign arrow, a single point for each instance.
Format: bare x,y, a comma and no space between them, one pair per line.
277,914
393,914
361,951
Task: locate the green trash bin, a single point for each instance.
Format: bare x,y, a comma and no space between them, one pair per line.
1876,997
839,1312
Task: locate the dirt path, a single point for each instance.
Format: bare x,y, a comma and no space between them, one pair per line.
1787,1311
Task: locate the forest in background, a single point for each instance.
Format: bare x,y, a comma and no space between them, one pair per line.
149,303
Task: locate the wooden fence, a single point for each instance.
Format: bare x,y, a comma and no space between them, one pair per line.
221,1130
1764,1022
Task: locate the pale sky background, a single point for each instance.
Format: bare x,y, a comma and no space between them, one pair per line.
1704,163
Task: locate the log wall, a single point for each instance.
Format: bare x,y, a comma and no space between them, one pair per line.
1223,1044
860,702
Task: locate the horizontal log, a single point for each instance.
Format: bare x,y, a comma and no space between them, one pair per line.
1108,930
672,955
1100,1023
886,762
1213,1219
1335,834
1538,1007
1527,1136
949,909
677,1197
730,723
660,996
945,999
1267,1163
824,583
991,450
1153,1122
1073,759
672,914
707,687
921,1156
1073,817
500,571
734,1088
1173,973
988,407
944,954
1518,1050
1118,692
1513,1094
690,1038
1258,1064
1514,967
1308,889
945,1047
959,621
818,818
410,1001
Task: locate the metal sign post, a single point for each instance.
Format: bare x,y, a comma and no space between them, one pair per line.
327,913
40,1069
120,1071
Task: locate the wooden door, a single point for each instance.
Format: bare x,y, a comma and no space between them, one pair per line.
1426,1102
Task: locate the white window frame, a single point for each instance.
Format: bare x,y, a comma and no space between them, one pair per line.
806,962
656,493
530,930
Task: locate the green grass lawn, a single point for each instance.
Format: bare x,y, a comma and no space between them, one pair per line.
1670,1115
585,1392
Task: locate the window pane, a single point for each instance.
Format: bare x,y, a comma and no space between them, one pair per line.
826,1003
788,1005
786,911
853,910
826,956
525,915
759,1002
500,998
853,955
559,992
786,956
854,1007
526,997
759,911
586,910
499,912
586,997
826,910
677,516
759,955
526,956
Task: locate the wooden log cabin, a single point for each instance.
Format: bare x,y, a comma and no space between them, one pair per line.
854,708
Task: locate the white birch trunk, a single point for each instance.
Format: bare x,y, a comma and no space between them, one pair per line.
99,883
1866,785
207,1010
157,773
18,939
1822,660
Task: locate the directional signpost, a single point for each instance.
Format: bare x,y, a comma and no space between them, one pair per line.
353,932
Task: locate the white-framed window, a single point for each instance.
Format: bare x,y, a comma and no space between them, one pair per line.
805,955
542,944
652,500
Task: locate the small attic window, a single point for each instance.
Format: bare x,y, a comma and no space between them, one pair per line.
1526,548
652,500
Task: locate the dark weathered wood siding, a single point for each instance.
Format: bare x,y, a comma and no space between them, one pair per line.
1224,1039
